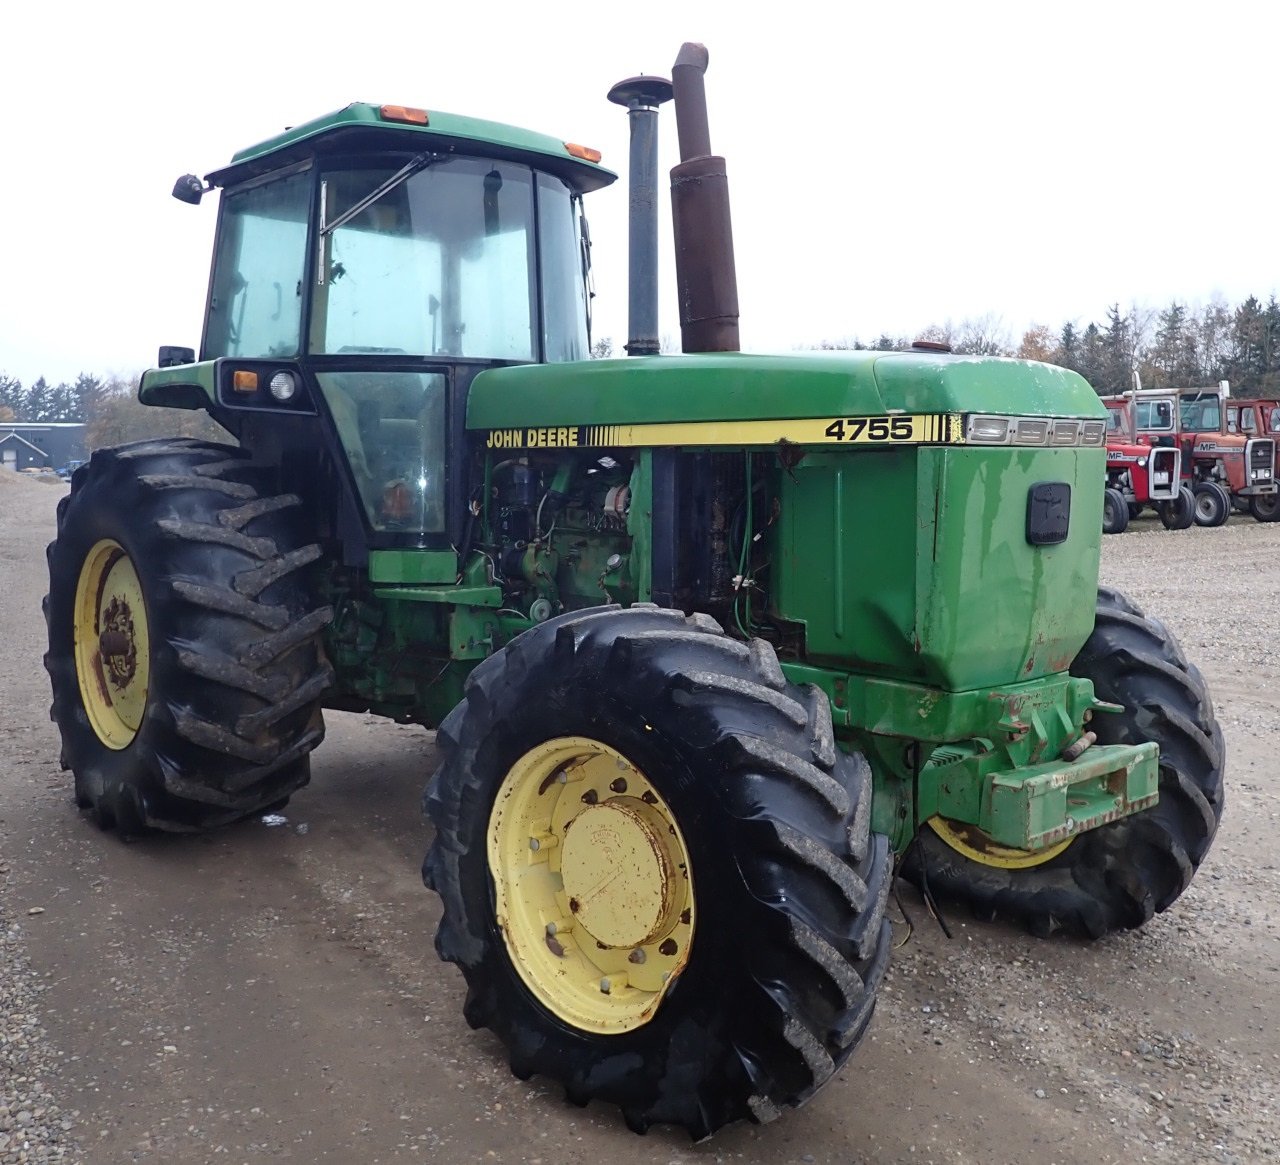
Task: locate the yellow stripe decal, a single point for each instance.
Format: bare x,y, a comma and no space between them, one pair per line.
916,429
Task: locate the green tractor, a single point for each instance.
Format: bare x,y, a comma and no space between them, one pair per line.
714,643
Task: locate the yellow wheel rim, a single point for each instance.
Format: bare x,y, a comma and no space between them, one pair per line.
112,646
970,841
593,886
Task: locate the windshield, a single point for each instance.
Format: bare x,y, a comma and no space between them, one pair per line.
1200,412
1155,416
443,263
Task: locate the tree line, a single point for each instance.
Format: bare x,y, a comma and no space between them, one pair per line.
108,407
1175,347
45,402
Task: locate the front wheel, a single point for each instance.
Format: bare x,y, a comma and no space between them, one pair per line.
1178,513
1115,512
1118,875
1265,507
1213,504
656,870
184,650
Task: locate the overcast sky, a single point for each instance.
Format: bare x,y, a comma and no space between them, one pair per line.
890,165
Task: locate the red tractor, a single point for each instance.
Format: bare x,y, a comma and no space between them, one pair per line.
1220,467
1257,418
1140,475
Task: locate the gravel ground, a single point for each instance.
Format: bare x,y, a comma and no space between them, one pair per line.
268,993
33,1128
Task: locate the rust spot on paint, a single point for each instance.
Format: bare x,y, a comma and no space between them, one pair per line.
574,906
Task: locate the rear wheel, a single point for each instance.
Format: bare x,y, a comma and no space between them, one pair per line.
1115,512
184,652
1178,513
1118,875
1265,507
1213,504
656,870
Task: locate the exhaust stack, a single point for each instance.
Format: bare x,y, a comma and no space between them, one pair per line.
706,279
642,96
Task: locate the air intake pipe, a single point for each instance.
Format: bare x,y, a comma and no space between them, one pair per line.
641,96
706,280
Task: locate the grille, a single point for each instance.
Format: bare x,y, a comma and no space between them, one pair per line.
1164,474
1262,455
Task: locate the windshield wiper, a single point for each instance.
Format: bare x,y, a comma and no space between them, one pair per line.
407,171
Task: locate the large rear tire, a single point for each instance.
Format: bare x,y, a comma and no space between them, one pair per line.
774,939
184,649
1117,876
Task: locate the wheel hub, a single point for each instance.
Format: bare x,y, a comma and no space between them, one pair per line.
592,884
112,645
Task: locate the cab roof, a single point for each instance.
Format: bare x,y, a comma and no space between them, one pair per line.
362,127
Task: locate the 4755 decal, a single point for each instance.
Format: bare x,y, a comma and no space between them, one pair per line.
873,429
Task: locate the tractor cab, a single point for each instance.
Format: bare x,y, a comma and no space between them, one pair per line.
368,265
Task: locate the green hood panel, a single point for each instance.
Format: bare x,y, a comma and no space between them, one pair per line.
741,386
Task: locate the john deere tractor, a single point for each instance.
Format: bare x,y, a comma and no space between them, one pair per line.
714,643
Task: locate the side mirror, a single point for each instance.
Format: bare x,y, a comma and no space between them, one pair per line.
172,357
188,188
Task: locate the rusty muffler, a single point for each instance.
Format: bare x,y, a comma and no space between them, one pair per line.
706,279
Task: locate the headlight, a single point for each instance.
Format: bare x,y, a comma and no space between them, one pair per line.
283,385
1142,461
1031,432
1065,433
988,430
1093,432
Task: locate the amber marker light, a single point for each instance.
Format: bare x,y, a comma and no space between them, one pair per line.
243,381
403,113
586,153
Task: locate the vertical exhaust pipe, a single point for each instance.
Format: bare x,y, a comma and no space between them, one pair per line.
641,96
706,279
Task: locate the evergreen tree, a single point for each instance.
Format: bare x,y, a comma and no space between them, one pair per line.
90,392
1172,363
62,403
38,401
1092,358
1067,352
1246,364
1117,343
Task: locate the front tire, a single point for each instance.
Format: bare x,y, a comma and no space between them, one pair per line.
1179,513
1117,876
1213,504
1265,507
1115,512
775,952
184,650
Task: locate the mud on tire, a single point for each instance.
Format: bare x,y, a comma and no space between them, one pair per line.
236,666
1117,876
789,884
